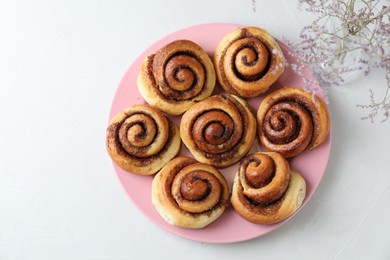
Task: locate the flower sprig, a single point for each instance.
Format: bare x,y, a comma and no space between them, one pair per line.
346,36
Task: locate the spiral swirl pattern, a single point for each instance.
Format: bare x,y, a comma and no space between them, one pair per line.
264,177
291,121
176,76
265,191
248,61
140,139
219,130
189,194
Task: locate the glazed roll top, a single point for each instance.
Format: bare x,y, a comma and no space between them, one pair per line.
219,130
291,121
177,76
141,140
189,194
265,191
248,61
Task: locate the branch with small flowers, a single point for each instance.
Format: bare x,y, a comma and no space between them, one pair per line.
343,29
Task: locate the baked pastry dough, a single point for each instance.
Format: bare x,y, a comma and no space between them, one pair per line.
291,120
219,130
189,194
177,76
248,61
265,191
141,139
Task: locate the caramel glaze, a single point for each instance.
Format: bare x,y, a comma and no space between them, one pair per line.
264,58
194,189
255,179
244,34
259,170
113,132
174,95
215,155
277,198
313,124
201,196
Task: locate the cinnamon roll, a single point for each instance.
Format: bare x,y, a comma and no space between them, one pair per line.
177,76
265,191
248,61
141,139
219,130
291,121
189,194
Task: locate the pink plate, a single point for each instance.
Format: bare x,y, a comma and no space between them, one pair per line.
230,227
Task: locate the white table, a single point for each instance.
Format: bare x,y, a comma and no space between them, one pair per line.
60,63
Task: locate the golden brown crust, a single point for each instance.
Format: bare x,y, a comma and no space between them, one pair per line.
141,140
189,194
248,61
278,194
291,120
219,130
177,76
